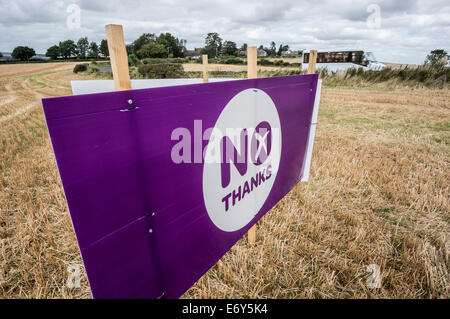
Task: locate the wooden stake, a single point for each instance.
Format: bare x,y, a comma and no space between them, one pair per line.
252,61
205,68
118,56
252,73
312,61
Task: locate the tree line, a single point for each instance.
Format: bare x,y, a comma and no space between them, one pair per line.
148,45
81,49
215,47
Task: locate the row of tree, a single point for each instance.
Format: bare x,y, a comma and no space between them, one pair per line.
215,47
81,49
148,45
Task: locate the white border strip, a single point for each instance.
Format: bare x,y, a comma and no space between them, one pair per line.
312,133
102,86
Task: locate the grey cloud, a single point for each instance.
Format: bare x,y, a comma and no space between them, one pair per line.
32,11
409,28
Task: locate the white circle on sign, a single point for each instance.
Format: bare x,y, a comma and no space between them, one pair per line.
234,191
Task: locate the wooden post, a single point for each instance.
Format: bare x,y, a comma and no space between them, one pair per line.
252,73
205,68
312,61
118,57
252,62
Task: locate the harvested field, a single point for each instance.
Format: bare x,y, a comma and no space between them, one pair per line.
378,194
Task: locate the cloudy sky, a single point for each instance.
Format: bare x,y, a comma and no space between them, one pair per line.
404,31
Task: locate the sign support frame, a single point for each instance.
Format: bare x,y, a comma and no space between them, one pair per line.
252,73
205,68
118,56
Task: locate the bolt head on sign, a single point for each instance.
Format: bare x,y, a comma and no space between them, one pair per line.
150,227
232,196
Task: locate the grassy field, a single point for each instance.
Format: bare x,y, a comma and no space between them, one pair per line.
378,194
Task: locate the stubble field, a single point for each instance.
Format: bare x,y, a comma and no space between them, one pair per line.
378,194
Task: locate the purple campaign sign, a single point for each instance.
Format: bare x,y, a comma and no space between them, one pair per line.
152,214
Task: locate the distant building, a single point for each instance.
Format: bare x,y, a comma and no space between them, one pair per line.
196,53
262,52
6,56
40,57
290,53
